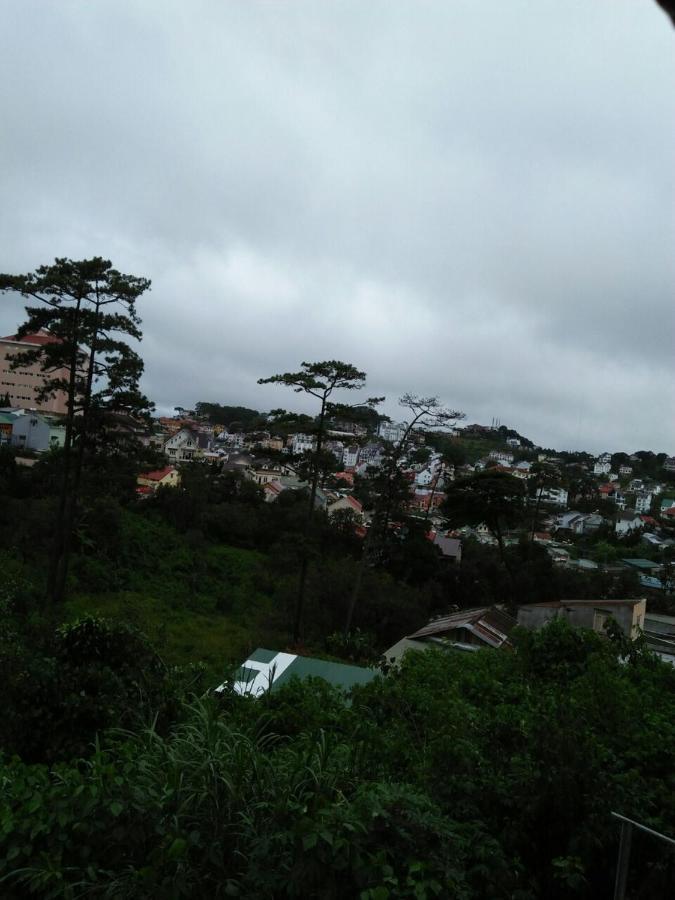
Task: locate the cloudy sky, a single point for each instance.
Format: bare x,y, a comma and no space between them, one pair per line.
468,198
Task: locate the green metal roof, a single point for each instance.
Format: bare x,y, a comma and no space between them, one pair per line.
641,563
267,669
337,674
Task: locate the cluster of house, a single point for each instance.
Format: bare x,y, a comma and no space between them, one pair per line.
184,440
465,631
248,453
27,429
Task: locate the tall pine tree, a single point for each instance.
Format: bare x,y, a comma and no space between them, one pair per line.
89,309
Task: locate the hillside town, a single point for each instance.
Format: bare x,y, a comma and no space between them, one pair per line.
611,514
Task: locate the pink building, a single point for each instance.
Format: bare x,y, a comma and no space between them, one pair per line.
23,384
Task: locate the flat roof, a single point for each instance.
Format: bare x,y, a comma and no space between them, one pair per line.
559,604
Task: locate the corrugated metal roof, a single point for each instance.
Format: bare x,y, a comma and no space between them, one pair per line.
266,669
488,623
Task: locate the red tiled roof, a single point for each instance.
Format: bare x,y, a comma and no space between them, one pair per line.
345,476
158,474
39,339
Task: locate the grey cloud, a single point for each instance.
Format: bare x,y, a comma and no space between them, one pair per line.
473,199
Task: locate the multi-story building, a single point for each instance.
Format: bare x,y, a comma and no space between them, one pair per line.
501,456
351,456
23,384
302,443
643,501
389,431
554,495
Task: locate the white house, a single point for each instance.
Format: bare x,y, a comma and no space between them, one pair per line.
627,522
302,443
389,431
620,500
371,454
236,440
501,456
557,496
625,470
182,446
351,456
425,478
601,468
32,431
643,502
579,523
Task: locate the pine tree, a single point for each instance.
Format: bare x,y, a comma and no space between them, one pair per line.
89,309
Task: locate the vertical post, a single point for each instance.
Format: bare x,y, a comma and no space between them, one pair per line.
623,860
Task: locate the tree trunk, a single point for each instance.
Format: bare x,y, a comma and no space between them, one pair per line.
59,534
59,589
433,493
304,561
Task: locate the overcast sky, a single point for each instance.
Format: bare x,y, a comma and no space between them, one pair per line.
468,198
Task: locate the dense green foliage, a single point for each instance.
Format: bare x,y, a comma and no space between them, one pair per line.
471,776
233,417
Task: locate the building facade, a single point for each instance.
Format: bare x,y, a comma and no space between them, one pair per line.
23,384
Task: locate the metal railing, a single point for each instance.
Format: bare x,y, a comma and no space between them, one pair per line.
627,826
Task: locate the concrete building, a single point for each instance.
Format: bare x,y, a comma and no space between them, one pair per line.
557,496
33,431
6,427
594,614
302,443
24,383
389,431
350,456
